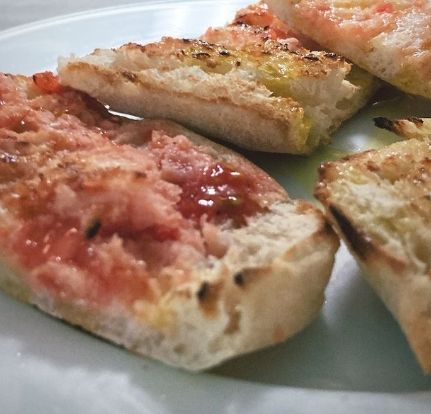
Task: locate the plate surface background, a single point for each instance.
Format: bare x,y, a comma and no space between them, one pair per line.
353,357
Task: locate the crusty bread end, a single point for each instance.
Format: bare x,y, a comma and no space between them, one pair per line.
379,203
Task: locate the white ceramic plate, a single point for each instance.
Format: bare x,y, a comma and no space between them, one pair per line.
352,359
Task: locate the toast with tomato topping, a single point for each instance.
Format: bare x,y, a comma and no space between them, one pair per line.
149,235
251,83
379,201
412,127
389,38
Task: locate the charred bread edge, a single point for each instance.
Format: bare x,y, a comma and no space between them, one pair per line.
387,274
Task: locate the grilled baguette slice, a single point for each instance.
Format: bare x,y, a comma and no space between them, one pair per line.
250,83
149,235
407,128
379,202
389,38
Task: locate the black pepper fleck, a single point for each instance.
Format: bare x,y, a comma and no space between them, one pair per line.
93,229
140,174
239,279
202,293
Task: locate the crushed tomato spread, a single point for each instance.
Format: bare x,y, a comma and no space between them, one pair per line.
219,192
92,218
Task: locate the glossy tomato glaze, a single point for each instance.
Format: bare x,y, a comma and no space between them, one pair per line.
94,221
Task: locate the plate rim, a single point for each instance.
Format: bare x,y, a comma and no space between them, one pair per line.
100,11
350,398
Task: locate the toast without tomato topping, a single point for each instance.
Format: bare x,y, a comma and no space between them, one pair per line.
149,235
389,38
251,83
379,201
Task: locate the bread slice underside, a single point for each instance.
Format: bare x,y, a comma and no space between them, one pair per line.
249,83
412,127
149,235
379,202
390,39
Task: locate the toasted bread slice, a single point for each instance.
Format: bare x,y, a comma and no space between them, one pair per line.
389,38
412,127
257,88
379,201
149,235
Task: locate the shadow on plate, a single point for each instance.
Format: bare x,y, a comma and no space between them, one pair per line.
355,345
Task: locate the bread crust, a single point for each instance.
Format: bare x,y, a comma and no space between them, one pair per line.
377,202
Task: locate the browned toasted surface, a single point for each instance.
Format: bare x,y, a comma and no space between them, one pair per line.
379,201
252,83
